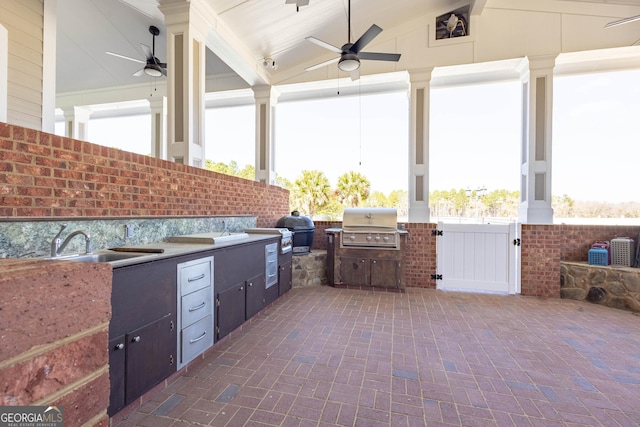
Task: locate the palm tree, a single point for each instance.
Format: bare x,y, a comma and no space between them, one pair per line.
353,188
311,191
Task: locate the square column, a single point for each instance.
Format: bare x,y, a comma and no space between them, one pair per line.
535,165
186,35
76,122
158,107
420,82
266,99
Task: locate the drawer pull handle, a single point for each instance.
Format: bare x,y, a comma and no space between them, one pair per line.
198,307
119,346
193,279
136,339
241,288
199,338
271,275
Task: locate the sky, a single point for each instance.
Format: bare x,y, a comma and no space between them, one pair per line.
474,137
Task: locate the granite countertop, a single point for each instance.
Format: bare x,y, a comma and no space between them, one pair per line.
178,245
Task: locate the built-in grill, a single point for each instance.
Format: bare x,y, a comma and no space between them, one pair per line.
368,251
286,236
302,228
370,227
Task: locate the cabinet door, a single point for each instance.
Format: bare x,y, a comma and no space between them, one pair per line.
231,309
284,278
256,299
354,271
117,359
150,356
385,273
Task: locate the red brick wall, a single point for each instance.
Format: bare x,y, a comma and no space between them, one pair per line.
56,353
421,255
540,260
577,239
44,175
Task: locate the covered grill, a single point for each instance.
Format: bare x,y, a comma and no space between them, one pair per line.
302,228
368,251
370,227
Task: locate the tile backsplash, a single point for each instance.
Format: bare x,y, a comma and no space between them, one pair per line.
30,239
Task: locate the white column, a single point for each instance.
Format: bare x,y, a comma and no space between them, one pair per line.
419,145
4,71
159,127
186,34
49,29
537,114
76,122
266,99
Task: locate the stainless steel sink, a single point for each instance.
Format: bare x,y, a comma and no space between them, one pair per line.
99,257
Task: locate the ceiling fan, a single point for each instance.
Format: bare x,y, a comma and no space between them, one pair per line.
298,3
153,67
623,21
350,53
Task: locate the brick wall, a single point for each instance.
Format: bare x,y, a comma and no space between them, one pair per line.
577,239
54,337
540,260
44,175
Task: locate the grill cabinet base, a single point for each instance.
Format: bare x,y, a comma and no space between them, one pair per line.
365,267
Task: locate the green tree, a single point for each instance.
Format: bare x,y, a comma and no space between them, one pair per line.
353,188
377,199
230,169
311,191
248,172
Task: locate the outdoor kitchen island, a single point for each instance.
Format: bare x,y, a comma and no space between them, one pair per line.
368,252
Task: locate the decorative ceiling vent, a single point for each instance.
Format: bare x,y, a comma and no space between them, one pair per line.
453,24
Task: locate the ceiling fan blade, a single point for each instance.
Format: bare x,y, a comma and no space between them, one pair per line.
126,57
322,64
138,73
623,21
324,45
147,52
374,56
366,38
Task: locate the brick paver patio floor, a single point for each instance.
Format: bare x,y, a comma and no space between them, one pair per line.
321,356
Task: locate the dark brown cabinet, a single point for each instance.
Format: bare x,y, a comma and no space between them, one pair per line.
364,267
142,331
285,282
142,371
256,296
230,309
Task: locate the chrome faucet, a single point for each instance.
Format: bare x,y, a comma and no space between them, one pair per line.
57,246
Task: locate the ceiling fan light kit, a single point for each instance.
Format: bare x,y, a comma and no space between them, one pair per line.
349,62
153,70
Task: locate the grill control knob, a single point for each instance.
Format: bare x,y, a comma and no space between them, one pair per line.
352,237
386,238
377,238
368,238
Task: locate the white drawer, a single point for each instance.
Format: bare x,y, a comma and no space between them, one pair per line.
196,339
196,305
194,275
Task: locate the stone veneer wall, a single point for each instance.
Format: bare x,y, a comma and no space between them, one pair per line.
309,269
54,337
613,286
